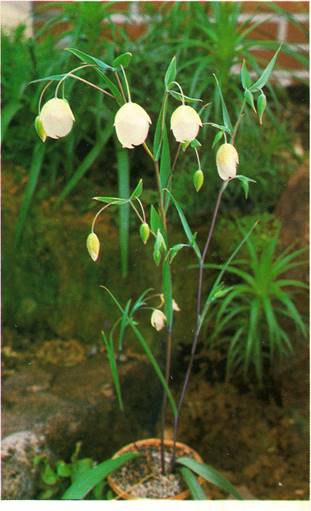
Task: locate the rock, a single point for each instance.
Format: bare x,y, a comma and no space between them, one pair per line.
19,476
64,405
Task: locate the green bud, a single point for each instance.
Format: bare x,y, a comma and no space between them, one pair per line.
39,129
93,245
261,105
198,179
250,99
144,232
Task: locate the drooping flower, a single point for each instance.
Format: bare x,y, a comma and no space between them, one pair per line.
158,319
185,123
227,160
132,125
56,118
93,245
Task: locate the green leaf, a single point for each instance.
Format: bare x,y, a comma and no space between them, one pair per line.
123,60
155,220
159,247
261,82
194,486
48,475
79,467
209,474
186,227
138,190
89,479
123,325
34,172
167,291
170,74
63,469
87,163
50,78
245,183
218,126
225,113
217,138
245,77
113,367
158,136
173,251
178,95
195,144
111,200
89,59
124,211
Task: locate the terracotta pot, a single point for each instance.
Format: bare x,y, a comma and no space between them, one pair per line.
157,443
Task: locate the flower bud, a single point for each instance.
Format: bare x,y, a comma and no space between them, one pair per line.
144,232
158,319
132,125
198,179
39,129
175,306
261,105
227,160
93,246
185,123
56,118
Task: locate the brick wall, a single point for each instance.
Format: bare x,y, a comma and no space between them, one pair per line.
135,16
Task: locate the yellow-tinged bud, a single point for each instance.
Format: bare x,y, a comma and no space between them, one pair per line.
39,129
132,125
198,179
144,232
158,319
227,160
56,118
93,245
185,123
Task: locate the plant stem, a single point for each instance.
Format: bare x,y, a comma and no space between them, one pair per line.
237,124
127,85
120,86
162,210
168,360
91,85
198,322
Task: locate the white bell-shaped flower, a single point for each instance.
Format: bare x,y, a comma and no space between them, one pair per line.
57,118
132,125
185,123
158,319
227,159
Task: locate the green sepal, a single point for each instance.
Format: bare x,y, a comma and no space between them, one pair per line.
198,179
39,129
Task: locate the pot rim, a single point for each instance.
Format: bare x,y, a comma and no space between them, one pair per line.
133,446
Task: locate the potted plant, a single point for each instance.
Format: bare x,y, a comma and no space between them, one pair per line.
158,468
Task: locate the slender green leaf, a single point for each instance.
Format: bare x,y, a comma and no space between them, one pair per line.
170,74
86,163
245,77
186,227
245,183
179,96
124,210
165,162
138,190
123,325
217,138
173,251
194,486
34,172
167,291
261,82
89,479
209,474
123,60
225,113
89,59
50,78
113,367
